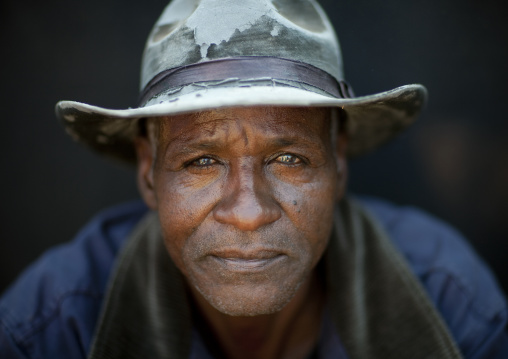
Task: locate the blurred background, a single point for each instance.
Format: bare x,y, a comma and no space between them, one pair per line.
452,163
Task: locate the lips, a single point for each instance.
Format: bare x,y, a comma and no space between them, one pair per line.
245,261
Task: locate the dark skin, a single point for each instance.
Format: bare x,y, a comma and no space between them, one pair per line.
245,198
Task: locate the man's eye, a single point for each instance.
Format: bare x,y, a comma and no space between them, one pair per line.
288,159
203,162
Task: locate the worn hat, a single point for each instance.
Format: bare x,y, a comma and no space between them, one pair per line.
208,54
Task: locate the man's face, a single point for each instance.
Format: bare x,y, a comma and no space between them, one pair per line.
245,198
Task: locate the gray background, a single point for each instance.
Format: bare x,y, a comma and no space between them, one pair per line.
453,162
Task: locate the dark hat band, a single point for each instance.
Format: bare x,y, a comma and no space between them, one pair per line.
246,68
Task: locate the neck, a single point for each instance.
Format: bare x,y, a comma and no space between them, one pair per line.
292,332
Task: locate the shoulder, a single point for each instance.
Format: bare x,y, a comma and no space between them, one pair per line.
60,295
458,282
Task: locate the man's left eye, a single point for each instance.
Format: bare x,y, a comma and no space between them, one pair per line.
288,159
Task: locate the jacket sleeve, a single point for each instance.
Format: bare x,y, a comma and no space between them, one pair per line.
478,324
52,308
458,282
500,350
47,326
8,348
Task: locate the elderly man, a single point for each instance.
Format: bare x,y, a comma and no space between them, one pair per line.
250,248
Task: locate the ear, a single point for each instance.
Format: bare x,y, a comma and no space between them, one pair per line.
145,158
342,168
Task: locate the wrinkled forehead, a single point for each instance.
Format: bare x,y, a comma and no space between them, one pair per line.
311,124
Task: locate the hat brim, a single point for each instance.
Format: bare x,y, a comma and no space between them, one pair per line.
371,120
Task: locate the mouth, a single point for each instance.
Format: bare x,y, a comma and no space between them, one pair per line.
247,262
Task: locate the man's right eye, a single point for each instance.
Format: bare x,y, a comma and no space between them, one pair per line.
203,162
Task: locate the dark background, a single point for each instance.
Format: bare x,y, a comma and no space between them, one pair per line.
453,162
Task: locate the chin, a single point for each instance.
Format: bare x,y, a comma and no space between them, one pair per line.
250,302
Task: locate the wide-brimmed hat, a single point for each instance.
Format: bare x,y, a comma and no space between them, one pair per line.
207,54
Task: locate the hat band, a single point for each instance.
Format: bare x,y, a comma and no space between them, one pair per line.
246,68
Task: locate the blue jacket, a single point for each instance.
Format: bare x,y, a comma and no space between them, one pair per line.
51,311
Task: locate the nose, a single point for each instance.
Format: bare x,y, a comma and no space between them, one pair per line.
247,203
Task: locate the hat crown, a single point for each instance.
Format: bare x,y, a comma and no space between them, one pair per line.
194,31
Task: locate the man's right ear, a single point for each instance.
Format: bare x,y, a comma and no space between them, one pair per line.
145,156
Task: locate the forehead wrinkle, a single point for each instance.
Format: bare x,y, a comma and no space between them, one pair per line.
198,131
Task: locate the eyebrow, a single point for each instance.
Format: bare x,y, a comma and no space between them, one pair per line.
312,142
284,142
211,145
200,146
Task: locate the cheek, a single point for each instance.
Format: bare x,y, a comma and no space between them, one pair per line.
310,197
309,207
182,209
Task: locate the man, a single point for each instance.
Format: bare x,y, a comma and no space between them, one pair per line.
251,249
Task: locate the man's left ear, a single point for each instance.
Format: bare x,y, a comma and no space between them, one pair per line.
342,169
145,156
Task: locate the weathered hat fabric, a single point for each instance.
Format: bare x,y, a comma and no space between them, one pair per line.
205,54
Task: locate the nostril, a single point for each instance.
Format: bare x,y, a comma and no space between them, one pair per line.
247,212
